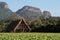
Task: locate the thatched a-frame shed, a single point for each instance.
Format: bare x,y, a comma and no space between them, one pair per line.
19,26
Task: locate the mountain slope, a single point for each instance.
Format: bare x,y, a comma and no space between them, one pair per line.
7,14
29,12
46,14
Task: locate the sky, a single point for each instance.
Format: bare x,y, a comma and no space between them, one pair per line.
49,5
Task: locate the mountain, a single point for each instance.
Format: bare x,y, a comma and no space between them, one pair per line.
6,13
29,12
3,5
6,16
46,14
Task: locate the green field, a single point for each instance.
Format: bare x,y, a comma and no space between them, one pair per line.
29,36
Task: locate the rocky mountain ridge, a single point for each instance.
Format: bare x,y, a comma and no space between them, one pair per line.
32,12
27,12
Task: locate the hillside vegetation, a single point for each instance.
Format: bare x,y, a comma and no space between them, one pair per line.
37,20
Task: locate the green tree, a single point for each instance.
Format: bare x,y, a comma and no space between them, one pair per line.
35,24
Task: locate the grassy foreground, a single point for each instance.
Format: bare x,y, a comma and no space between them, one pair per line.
29,36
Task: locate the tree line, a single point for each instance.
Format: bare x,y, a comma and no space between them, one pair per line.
45,25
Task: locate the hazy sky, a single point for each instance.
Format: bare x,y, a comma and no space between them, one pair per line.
50,5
